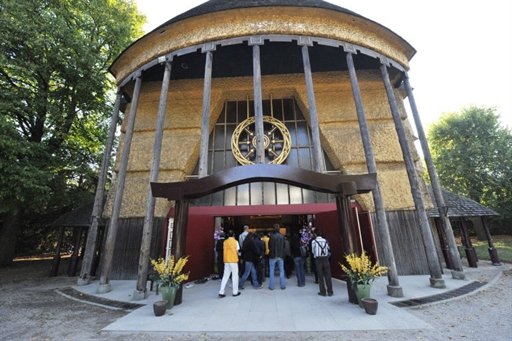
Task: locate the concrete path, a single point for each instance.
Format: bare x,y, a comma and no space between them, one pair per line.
291,310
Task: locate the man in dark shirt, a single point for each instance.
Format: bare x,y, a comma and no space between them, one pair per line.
276,246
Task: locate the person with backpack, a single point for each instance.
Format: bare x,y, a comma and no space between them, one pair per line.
321,252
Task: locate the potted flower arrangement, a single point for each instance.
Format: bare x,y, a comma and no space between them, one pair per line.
362,273
170,276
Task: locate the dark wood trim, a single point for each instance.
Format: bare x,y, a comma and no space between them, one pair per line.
346,184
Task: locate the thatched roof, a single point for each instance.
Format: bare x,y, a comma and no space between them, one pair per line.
223,5
459,206
79,217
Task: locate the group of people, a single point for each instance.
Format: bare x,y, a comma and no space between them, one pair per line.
257,255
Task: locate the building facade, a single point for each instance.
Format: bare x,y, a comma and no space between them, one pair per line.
263,112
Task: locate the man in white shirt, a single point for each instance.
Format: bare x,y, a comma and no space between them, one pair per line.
321,251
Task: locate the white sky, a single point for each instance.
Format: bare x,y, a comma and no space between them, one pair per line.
464,48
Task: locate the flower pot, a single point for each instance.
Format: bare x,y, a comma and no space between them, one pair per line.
370,305
159,307
169,295
362,291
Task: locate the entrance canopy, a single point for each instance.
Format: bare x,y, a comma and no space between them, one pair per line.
336,184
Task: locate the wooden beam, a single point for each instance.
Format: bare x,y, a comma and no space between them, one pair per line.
196,188
108,253
436,277
205,121
394,288
258,104
97,210
318,155
147,229
436,185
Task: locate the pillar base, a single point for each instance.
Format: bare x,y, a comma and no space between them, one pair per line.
437,283
104,288
395,291
138,295
83,281
458,275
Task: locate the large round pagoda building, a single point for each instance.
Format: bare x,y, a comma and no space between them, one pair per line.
263,112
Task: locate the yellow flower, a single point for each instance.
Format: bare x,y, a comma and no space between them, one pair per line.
170,271
360,269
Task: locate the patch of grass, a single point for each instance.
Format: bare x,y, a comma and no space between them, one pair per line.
503,245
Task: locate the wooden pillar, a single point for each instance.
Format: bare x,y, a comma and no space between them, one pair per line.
468,246
205,121
179,236
393,287
436,277
56,258
73,260
436,186
97,252
108,253
318,156
97,210
147,230
258,101
347,242
444,244
493,253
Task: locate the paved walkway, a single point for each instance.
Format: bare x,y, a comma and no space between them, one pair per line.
291,310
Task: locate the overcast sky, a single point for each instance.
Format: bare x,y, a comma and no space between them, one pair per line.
464,48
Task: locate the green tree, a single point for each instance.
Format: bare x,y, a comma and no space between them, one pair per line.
473,156
54,103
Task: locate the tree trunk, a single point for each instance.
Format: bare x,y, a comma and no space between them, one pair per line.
8,236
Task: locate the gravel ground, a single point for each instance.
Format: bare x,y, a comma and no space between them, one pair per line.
30,309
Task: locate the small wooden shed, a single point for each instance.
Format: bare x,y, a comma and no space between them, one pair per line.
459,210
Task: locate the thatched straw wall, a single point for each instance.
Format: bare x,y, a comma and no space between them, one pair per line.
338,128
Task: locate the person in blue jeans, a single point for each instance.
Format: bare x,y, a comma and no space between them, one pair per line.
250,255
276,255
298,259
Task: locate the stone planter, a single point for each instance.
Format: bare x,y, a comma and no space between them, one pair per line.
159,307
370,305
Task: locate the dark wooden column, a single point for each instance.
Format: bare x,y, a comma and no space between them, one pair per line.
108,253
436,277
394,288
147,230
73,260
179,236
345,221
318,155
444,244
468,246
493,253
97,210
205,121
258,101
436,186
56,258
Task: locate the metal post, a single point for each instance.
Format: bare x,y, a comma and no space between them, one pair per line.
318,156
108,254
205,122
436,277
393,287
258,102
457,273
147,230
97,210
